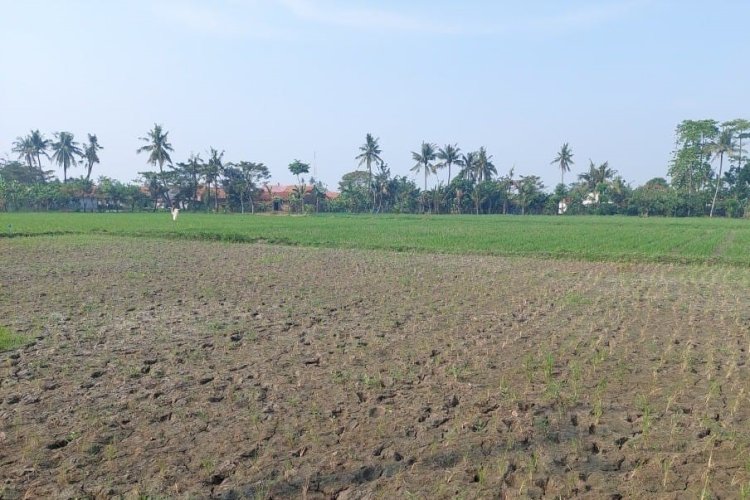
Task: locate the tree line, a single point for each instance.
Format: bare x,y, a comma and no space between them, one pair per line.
698,185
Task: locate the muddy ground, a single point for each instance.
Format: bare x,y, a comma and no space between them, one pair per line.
190,369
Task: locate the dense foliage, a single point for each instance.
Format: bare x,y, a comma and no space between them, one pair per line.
708,175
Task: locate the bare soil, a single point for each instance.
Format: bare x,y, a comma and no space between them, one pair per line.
191,369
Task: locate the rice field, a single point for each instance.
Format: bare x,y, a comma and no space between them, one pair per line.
612,239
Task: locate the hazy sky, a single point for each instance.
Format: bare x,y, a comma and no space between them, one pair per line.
275,80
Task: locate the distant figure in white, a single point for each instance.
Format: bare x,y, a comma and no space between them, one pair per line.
175,213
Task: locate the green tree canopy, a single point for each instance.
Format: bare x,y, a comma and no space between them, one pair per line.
65,152
90,152
369,154
449,155
563,160
158,148
424,159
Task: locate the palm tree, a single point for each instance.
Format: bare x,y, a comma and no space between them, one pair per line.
90,153
424,159
383,184
449,156
506,184
195,168
485,169
318,192
724,144
370,152
597,175
65,152
298,168
468,162
212,172
25,150
564,160
39,145
158,149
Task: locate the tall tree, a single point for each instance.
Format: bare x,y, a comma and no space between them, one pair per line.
153,181
24,148
90,152
212,171
158,149
723,145
689,169
563,160
194,169
597,175
370,153
250,176
506,184
39,145
298,168
740,128
17,172
484,167
424,160
318,192
65,152
530,192
383,185
354,189
468,162
449,155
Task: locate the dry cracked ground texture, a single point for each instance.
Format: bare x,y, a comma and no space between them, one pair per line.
190,369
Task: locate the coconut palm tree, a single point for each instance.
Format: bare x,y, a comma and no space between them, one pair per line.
24,148
468,162
90,153
424,160
39,145
597,175
383,185
449,155
194,168
485,169
65,152
158,149
723,145
370,152
212,172
564,160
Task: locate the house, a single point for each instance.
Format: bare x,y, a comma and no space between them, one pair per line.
216,193
279,196
591,199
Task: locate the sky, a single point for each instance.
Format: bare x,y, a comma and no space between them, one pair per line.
276,80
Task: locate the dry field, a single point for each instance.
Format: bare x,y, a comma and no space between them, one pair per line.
194,369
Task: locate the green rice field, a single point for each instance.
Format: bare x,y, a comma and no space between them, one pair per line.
722,241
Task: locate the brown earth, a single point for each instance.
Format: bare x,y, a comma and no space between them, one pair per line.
181,369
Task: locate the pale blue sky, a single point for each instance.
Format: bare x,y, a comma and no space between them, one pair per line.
274,80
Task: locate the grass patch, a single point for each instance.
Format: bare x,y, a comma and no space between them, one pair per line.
10,340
